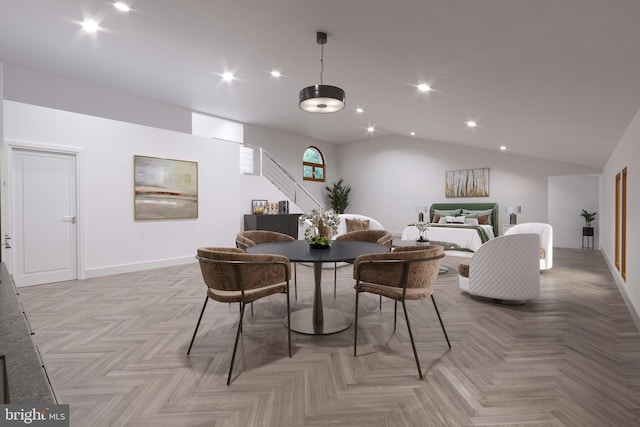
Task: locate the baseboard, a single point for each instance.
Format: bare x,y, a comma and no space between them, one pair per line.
635,315
138,266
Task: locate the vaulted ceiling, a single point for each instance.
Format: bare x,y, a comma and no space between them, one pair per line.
550,79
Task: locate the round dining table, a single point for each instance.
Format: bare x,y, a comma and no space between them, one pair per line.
318,320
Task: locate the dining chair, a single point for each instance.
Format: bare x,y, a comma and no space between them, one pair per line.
407,273
246,239
381,237
232,275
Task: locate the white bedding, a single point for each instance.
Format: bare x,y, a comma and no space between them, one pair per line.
462,236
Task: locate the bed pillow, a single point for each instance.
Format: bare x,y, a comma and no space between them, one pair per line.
356,224
455,219
438,213
485,217
471,221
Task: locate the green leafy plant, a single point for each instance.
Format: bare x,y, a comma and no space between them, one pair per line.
588,217
319,226
338,195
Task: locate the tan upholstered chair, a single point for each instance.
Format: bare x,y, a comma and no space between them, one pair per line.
407,273
381,237
231,275
247,239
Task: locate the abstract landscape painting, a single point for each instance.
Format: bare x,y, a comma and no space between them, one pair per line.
165,188
467,183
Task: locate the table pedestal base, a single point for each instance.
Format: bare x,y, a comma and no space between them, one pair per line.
334,321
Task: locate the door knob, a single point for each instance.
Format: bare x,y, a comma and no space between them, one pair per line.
71,219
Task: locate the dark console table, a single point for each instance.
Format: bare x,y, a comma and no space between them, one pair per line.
282,223
23,379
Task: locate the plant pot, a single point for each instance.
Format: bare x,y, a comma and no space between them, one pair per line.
319,246
587,231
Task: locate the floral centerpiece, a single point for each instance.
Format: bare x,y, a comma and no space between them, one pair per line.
422,228
323,226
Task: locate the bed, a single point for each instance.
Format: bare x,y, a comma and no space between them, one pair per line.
479,223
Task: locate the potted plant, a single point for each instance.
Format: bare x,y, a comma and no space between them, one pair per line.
589,217
422,229
321,226
338,196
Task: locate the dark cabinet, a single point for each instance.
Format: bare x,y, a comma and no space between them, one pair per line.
282,223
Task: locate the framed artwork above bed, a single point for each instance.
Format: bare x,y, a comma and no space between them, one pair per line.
467,183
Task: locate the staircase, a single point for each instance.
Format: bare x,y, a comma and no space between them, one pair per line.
256,161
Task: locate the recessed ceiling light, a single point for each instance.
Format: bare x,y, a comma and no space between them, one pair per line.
371,129
424,87
227,77
471,124
359,110
122,6
90,26
412,134
276,73
503,148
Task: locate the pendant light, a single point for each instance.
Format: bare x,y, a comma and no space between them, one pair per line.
322,98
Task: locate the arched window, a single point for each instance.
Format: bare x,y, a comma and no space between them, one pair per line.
313,165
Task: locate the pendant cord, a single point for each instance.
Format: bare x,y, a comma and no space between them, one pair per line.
321,62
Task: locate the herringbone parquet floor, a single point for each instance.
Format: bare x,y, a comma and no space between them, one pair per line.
116,347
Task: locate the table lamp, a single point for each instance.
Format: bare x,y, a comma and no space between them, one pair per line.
421,210
513,211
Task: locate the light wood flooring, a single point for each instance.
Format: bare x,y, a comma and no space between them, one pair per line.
115,348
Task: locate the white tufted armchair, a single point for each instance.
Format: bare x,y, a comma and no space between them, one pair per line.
546,240
504,268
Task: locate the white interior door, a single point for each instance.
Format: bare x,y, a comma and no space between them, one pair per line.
44,208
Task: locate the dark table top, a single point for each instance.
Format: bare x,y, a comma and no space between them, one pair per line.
300,251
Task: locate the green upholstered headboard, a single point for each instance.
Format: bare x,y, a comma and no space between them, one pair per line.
471,207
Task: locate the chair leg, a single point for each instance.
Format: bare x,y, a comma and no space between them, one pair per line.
251,308
235,346
335,279
206,300
295,279
380,302
413,344
355,330
440,319
289,322
395,314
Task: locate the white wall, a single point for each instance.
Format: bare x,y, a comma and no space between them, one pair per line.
390,176
626,154
113,240
568,195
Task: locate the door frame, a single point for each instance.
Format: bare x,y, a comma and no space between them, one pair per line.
10,223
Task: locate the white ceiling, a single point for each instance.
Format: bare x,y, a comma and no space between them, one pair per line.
557,79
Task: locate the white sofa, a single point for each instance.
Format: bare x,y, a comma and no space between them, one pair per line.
342,227
504,268
546,240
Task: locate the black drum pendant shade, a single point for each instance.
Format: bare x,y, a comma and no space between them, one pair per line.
321,98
